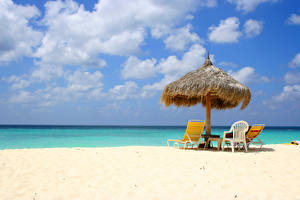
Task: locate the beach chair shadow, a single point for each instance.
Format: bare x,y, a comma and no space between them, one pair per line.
251,150
261,149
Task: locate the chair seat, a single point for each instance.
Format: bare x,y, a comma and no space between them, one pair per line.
232,140
183,142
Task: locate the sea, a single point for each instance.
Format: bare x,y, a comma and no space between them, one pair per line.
52,136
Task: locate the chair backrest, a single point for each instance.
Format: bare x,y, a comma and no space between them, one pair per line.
194,130
254,131
239,129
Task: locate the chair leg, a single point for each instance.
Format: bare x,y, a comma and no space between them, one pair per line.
245,145
223,145
232,146
206,146
261,143
193,145
219,145
174,145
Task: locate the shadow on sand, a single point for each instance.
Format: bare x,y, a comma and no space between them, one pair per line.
227,149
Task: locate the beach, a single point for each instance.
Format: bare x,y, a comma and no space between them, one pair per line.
148,172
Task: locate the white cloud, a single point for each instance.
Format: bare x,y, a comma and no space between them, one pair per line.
78,84
295,62
247,75
80,81
288,99
294,19
44,73
292,77
138,69
126,91
263,79
67,41
226,32
244,75
180,38
290,93
228,64
76,36
47,72
172,68
190,61
253,27
160,30
21,97
17,82
124,43
259,93
189,17
248,5
210,3
18,38
150,89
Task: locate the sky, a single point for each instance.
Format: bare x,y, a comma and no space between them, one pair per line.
106,62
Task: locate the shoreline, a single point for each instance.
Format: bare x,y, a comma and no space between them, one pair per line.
149,172
252,148
42,126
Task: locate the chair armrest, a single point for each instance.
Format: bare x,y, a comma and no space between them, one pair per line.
174,140
225,132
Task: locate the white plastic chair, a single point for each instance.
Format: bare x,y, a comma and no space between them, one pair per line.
239,130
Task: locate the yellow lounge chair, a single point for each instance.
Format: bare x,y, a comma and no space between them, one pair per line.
192,134
294,143
253,133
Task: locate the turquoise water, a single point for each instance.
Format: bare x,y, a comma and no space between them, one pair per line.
17,137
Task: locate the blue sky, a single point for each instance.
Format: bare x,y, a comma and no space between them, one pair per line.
106,62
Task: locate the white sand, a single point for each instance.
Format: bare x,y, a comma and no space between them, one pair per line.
149,173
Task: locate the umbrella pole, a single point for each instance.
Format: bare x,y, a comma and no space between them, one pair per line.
208,108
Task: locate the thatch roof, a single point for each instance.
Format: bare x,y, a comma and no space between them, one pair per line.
193,87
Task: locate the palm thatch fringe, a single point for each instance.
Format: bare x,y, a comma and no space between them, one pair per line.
193,87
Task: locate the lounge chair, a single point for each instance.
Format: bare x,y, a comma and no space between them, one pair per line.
253,133
294,143
239,130
192,134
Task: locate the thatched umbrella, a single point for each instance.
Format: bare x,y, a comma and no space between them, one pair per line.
208,85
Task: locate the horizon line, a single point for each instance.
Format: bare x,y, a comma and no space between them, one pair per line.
115,125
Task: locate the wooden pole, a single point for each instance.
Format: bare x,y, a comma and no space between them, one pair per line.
208,108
